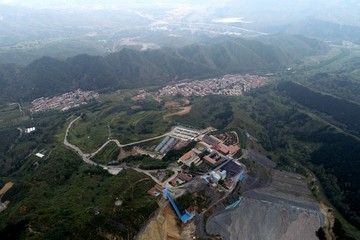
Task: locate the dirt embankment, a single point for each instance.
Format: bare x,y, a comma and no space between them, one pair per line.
329,221
3,205
6,188
162,227
183,111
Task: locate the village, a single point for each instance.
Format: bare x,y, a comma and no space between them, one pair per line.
63,102
228,85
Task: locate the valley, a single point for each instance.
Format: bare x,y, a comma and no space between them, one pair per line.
243,152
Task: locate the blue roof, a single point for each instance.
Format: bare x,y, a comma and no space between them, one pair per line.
185,217
241,177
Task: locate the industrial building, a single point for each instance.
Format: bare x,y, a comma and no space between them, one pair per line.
184,133
189,158
166,144
213,142
214,158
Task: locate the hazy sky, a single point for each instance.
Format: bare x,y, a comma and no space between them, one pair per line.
242,3
86,3
340,11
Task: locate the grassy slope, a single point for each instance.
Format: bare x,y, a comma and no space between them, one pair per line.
124,124
108,154
10,116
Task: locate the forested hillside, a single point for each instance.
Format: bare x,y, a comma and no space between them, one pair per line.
340,110
131,68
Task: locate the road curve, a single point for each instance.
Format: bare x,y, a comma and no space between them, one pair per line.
128,144
87,157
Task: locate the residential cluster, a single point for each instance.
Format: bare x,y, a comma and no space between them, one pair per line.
229,85
63,102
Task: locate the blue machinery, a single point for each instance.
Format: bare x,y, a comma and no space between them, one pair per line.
184,218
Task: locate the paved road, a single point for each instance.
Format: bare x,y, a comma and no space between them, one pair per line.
84,156
111,169
176,191
128,144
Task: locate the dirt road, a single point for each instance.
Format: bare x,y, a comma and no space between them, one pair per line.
6,188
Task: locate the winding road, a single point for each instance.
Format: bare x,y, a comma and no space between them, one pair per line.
128,144
114,170
86,157
20,109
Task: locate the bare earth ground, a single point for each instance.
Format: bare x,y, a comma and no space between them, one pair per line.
172,104
6,188
188,232
162,227
283,210
183,111
329,221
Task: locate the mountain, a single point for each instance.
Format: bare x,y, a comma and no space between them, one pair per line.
131,68
317,28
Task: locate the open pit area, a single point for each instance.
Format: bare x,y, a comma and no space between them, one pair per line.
162,226
283,209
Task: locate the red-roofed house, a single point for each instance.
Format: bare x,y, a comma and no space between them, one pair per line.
152,191
189,157
233,149
223,148
156,190
159,187
184,177
213,158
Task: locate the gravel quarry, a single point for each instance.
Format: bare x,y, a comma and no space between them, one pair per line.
283,210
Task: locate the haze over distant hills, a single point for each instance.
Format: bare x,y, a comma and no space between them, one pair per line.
132,68
62,29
